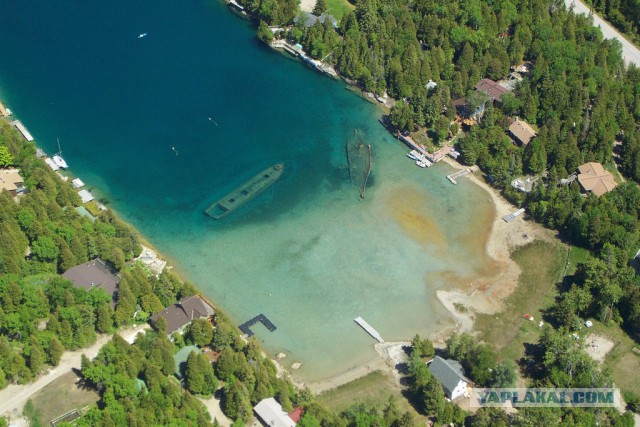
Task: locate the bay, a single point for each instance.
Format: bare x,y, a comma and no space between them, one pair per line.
162,126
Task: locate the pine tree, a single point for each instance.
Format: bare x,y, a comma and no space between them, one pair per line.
320,7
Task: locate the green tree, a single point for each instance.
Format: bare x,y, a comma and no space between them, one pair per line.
320,7
200,332
6,159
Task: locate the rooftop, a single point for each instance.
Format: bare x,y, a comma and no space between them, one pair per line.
522,131
592,177
183,312
94,274
10,180
271,414
448,372
309,19
492,89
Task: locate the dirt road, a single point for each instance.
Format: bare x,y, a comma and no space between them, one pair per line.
14,397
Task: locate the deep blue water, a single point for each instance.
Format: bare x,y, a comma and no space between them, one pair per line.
164,125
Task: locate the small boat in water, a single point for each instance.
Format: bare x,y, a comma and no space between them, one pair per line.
142,35
245,192
58,160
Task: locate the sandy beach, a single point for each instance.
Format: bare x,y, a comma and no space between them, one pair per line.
307,5
487,294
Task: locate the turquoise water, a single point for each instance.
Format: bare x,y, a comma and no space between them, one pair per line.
164,125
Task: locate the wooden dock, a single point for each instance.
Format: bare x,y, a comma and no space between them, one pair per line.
513,216
452,177
246,326
23,130
367,327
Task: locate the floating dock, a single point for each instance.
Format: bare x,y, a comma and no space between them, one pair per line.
367,327
23,130
513,216
246,326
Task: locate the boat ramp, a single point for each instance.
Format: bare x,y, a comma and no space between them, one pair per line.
513,216
246,326
367,327
23,130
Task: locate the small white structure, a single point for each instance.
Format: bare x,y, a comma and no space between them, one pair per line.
51,164
588,323
270,414
449,373
85,196
77,183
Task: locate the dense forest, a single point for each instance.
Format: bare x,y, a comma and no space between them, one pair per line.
41,313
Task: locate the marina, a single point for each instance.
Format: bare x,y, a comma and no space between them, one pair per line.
246,326
245,192
367,327
23,130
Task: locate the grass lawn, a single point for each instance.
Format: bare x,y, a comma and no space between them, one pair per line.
542,264
623,363
611,167
577,256
373,389
338,8
61,396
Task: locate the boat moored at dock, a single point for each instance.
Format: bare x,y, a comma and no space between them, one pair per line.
245,192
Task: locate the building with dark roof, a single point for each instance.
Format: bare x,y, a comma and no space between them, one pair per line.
180,314
94,275
492,89
450,374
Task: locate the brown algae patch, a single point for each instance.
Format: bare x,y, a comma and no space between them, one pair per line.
408,205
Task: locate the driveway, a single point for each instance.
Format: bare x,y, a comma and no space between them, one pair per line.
14,397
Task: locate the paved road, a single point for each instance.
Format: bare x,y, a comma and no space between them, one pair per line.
630,53
14,397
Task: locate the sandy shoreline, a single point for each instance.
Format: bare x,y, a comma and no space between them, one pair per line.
487,294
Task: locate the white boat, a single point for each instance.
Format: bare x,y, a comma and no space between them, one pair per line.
414,155
142,35
421,163
59,161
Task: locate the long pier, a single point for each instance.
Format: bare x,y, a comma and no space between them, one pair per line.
246,326
23,130
452,177
367,327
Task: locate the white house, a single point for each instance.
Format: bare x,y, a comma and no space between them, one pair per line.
450,374
270,413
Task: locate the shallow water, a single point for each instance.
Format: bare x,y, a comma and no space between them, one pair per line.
164,125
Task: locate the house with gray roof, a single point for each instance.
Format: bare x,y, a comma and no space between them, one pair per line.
309,19
269,412
94,275
450,374
180,314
